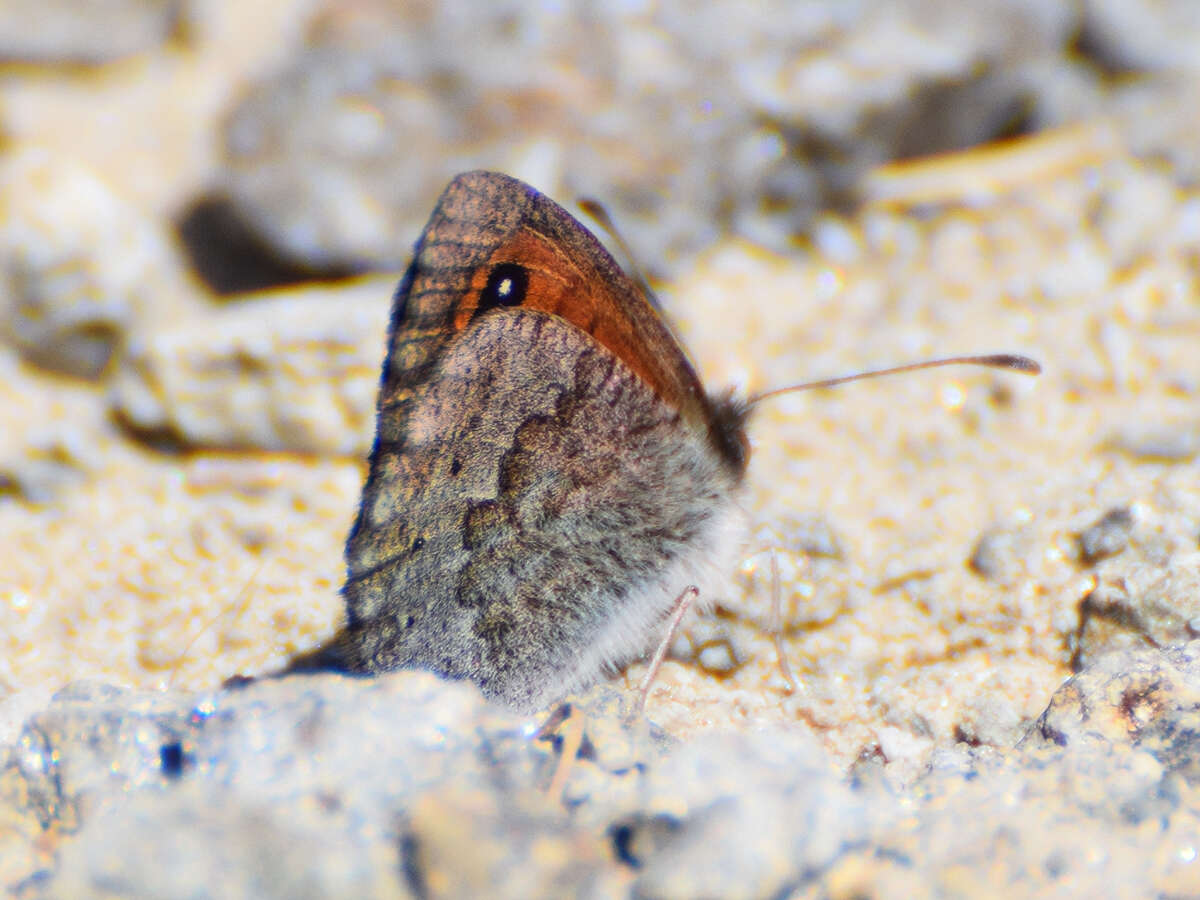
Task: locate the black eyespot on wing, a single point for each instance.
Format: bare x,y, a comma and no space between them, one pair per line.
507,285
418,544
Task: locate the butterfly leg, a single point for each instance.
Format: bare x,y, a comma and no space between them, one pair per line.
777,625
682,604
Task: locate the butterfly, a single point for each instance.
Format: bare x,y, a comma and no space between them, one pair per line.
548,472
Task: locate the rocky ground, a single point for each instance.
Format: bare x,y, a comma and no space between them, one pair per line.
985,680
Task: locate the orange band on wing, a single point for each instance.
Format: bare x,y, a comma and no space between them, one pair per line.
558,286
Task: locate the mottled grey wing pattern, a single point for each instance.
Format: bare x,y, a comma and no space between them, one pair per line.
502,537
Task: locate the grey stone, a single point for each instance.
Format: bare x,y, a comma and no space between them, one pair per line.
298,782
291,370
1095,801
498,843
198,840
1146,698
991,719
95,742
321,785
1145,607
1108,536
52,437
80,266
770,802
1018,824
639,106
1001,554
1166,444
66,31
1141,36
709,645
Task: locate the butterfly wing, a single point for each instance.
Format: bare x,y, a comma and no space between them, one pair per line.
544,480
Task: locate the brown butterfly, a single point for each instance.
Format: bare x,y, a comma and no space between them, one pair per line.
548,472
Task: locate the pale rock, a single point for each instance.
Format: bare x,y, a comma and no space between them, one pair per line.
1146,697
291,370
94,32
51,436
79,265
1141,606
1142,35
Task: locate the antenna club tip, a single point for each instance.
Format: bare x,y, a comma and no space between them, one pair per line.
1016,362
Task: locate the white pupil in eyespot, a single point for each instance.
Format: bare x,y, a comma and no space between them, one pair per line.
504,288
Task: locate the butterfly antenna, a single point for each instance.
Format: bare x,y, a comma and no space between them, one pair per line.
1009,361
599,214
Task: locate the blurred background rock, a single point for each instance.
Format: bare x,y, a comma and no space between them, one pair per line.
288,138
